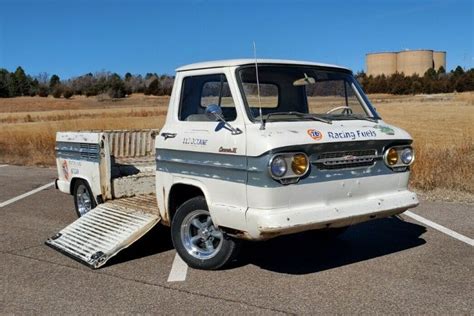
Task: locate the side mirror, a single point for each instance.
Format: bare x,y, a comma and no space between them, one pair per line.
214,112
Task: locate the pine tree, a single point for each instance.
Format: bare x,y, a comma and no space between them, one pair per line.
22,82
4,83
54,81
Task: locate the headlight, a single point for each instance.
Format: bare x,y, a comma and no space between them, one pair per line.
398,158
299,164
391,157
407,156
278,167
288,168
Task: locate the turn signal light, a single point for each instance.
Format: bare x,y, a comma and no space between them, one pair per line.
299,164
392,156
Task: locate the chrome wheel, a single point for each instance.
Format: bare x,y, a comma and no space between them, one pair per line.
83,199
200,237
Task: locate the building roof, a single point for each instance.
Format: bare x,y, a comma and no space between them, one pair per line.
407,51
241,62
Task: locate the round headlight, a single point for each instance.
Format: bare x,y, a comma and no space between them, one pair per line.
392,156
407,156
299,164
278,167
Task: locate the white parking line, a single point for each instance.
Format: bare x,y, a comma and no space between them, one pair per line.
3,166
442,229
179,269
24,195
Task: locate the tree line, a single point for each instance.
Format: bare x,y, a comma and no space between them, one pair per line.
18,83
432,81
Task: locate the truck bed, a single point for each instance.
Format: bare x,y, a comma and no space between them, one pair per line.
116,163
132,156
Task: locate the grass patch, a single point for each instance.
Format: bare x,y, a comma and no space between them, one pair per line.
441,125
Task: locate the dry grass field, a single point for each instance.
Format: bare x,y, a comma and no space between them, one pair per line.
441,125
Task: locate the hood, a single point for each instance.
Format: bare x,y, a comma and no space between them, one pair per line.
289,134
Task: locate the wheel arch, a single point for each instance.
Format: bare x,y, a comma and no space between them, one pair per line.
86,180
182,191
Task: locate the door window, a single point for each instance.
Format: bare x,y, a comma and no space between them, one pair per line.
198,92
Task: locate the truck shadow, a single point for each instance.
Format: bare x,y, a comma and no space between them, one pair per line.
308,252
156,241
302,253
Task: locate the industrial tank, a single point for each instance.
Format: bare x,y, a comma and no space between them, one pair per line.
381,63
439,59
414,62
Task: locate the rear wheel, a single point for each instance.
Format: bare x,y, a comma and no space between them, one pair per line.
83,199
197,240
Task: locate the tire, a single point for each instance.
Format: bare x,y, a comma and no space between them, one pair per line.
83,198
198,242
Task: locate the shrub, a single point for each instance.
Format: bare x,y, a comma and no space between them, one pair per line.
43,91
57,92
68,93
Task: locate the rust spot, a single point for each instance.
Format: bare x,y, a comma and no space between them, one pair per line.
166,215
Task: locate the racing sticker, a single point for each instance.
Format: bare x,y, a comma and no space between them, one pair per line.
65,170
315,134
385,129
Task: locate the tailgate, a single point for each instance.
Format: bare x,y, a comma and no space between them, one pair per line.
107,229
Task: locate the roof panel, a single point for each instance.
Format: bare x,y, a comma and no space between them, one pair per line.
241,62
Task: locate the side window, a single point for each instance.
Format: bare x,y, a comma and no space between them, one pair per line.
200,91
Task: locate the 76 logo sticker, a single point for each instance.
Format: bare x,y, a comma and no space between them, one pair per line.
315,134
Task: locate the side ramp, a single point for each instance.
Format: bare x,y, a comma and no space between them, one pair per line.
107,229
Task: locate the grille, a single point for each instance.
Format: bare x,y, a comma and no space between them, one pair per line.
89,156
346,159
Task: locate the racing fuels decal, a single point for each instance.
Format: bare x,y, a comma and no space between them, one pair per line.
352,134
315,134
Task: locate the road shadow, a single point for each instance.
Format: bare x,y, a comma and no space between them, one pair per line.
156,241
309,252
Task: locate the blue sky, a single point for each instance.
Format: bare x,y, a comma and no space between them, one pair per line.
70,38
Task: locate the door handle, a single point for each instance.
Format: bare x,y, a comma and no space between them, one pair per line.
168,135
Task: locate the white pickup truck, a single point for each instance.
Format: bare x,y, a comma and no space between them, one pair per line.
248,151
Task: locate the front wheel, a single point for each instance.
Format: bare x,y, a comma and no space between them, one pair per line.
198,242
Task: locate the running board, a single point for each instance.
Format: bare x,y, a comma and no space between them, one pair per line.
107,229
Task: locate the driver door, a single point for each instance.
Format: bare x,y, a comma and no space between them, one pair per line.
205,152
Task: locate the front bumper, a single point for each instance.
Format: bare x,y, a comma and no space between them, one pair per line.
268,223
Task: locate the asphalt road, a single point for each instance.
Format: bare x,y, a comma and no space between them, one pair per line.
388,266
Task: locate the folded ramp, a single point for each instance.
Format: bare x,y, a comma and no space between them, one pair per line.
107,229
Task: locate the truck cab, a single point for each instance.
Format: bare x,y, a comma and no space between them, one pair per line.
257,149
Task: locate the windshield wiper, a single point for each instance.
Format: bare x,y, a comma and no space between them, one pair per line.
356,117
366,118
300,115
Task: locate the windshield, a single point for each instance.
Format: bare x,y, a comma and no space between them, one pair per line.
303,93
